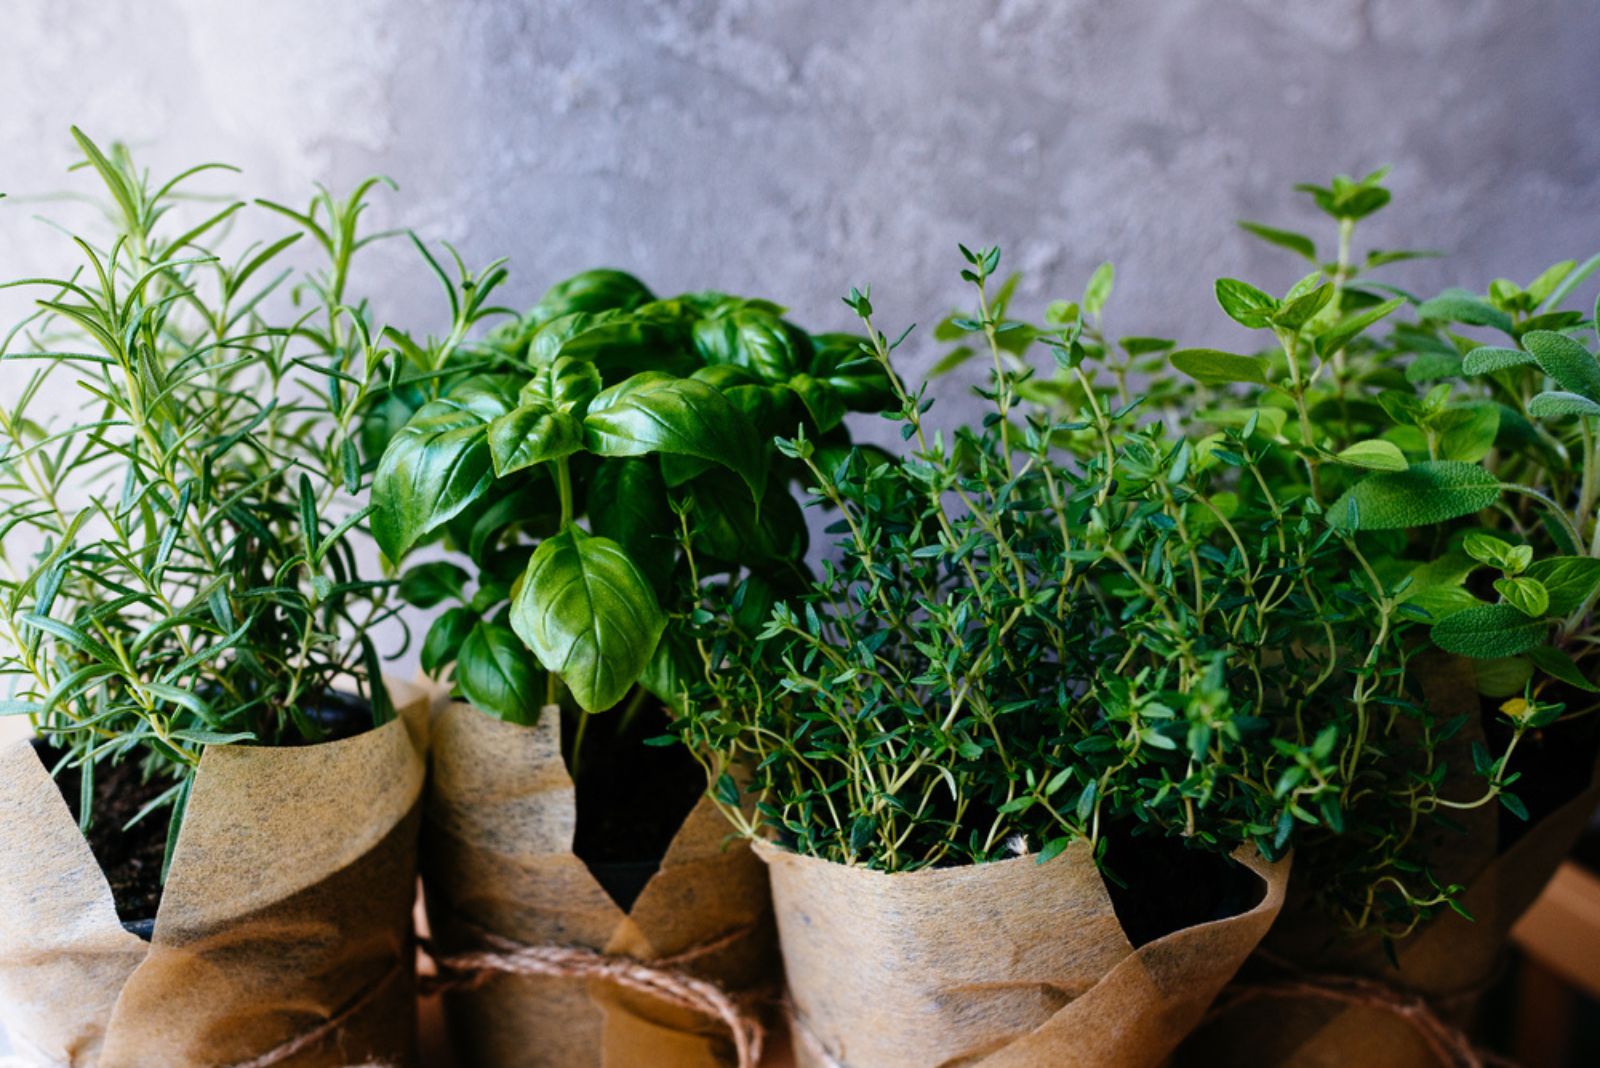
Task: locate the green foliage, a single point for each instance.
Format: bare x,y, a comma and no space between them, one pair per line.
1475,516
1205,610
180,566
607,406
1036,629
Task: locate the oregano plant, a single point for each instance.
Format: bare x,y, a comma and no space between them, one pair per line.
1458,472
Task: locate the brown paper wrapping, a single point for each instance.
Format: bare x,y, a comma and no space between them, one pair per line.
498,834
1449,961
288,904
1013,964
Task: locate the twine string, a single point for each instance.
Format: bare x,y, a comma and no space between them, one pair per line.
308,1039
1449,1045
664,980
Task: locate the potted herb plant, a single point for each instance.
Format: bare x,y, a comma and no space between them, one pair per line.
1454,460
211,841
565,456
1012,754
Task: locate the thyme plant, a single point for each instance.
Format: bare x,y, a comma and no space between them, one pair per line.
180,565
1036,628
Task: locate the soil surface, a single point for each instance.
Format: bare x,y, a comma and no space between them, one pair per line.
632,799
1167,886
131,858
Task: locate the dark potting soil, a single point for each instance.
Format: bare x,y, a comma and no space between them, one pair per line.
632,800
131,857
1159,885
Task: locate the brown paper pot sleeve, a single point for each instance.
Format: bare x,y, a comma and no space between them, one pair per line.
498,861
1013,964
1447,963
284,931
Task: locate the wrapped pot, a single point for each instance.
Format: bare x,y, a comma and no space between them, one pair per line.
284,932
1416,1014
1004,965
499,873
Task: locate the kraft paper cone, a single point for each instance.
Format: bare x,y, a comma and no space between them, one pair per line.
1448,961
1013,964
498,858
288,905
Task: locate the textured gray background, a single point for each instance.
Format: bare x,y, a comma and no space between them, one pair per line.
792,149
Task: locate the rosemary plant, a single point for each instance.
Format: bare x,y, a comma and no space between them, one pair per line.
180,560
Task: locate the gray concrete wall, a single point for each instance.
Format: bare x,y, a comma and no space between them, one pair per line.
793,149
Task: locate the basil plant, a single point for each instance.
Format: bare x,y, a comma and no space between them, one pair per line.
572,455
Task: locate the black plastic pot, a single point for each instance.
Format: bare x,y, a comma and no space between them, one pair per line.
625,880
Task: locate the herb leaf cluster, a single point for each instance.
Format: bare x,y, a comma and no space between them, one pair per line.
1037,629
180,566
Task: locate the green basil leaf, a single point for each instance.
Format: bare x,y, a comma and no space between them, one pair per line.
1551,405
589,615
822,401
426,585
773,411
673,664
627,502
602,289
1425,493
564,384
654,412
1216,368
755,339
1569,580
1245,304
497,675
1373,455
437,465
1563,359
445,638
617,344
1487,631
845,362
730,527
533,434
